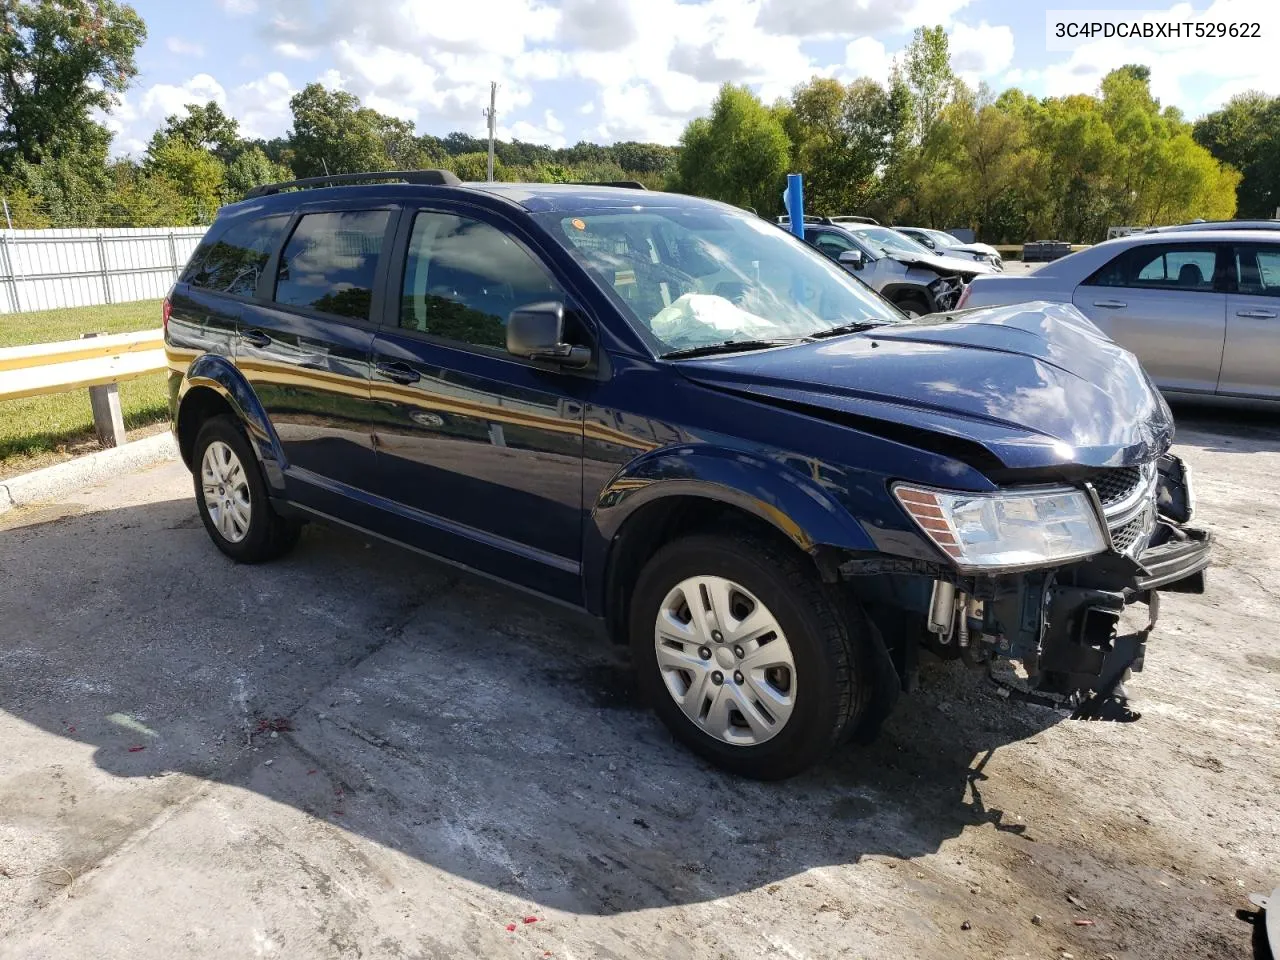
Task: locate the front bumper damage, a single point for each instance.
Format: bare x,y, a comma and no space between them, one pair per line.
1061,637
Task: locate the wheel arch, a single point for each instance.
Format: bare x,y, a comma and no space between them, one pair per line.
213,386
641,510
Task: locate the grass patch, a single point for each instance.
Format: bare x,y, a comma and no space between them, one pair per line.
41,430
50,326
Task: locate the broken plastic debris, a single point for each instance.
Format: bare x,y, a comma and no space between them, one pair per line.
511,928
530,919
136,749
1082,922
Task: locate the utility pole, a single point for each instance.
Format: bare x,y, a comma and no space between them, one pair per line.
492,115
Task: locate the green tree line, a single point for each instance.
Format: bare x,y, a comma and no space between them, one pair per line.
923,148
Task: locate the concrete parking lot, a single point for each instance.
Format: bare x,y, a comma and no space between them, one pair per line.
358,753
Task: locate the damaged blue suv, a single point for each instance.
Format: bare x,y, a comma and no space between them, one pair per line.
762,477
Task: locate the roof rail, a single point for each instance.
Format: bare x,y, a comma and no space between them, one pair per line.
435,178
628,184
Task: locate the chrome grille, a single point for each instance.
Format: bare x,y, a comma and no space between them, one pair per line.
1116,484
1125,538
1127,495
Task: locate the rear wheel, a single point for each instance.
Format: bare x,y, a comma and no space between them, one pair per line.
232,496
745,655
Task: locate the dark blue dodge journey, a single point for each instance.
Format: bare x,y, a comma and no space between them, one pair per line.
769,482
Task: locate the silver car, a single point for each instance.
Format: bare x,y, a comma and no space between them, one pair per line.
1200,309
912,277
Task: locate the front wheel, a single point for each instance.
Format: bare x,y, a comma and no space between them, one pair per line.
745,655
913,305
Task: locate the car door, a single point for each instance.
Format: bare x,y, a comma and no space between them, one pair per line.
480,451
304,347
1165,302
1251,357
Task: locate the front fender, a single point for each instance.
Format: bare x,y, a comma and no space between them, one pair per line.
788,495
217,373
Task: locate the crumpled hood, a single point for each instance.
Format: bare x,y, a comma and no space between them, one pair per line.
945,265
1036,384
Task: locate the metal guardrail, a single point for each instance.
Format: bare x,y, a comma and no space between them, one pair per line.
98,363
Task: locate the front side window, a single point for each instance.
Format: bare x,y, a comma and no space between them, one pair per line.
832,244
235,260
700,276
330,261
1258,270
463,278
1181,267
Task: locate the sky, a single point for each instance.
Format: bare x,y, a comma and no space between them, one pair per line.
608,70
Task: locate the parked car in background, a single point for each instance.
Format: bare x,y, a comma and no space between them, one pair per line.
673,415
939,241
1199,308
914,278
1218,225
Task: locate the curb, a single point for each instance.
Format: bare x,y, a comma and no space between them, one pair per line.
64,478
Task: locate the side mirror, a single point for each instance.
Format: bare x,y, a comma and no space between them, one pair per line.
536,332
851,258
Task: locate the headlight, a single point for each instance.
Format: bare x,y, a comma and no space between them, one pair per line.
1006,529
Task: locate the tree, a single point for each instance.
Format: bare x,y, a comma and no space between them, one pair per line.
198,175
69,185
60,60
739,154
333,134
252,168
928,75
1245,133
204,126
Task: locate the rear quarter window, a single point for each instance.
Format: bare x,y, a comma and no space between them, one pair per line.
235,258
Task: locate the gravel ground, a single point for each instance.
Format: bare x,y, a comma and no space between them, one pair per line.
356,752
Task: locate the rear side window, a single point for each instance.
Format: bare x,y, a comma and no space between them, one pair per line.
235,260
1258,270
330,261
464,277
1181,267
831,244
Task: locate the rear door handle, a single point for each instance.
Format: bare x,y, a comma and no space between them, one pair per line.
255,338
1110,304
1257,314
397,373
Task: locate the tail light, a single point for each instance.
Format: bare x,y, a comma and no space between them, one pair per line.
964,296
166,308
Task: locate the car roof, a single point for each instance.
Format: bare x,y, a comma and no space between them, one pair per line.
1186,236
1218,226
533,197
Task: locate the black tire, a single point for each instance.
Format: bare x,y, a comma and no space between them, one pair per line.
913,303
269,535
828,639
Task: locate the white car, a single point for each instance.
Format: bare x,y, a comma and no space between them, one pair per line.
1199,308
912,277
944,243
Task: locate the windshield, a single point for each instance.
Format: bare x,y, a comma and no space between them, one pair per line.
887,242
703,276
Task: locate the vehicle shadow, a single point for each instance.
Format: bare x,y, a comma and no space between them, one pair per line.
1227,430
488,735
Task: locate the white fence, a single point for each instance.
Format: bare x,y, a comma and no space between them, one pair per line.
44,269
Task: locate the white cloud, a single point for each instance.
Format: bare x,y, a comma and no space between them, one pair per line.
183,47
549,133
239,8
867,57
262,106
847,18
587,108
596,24
292,51
979,52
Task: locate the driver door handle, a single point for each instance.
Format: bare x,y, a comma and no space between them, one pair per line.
1257,314
397,373
1110,304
